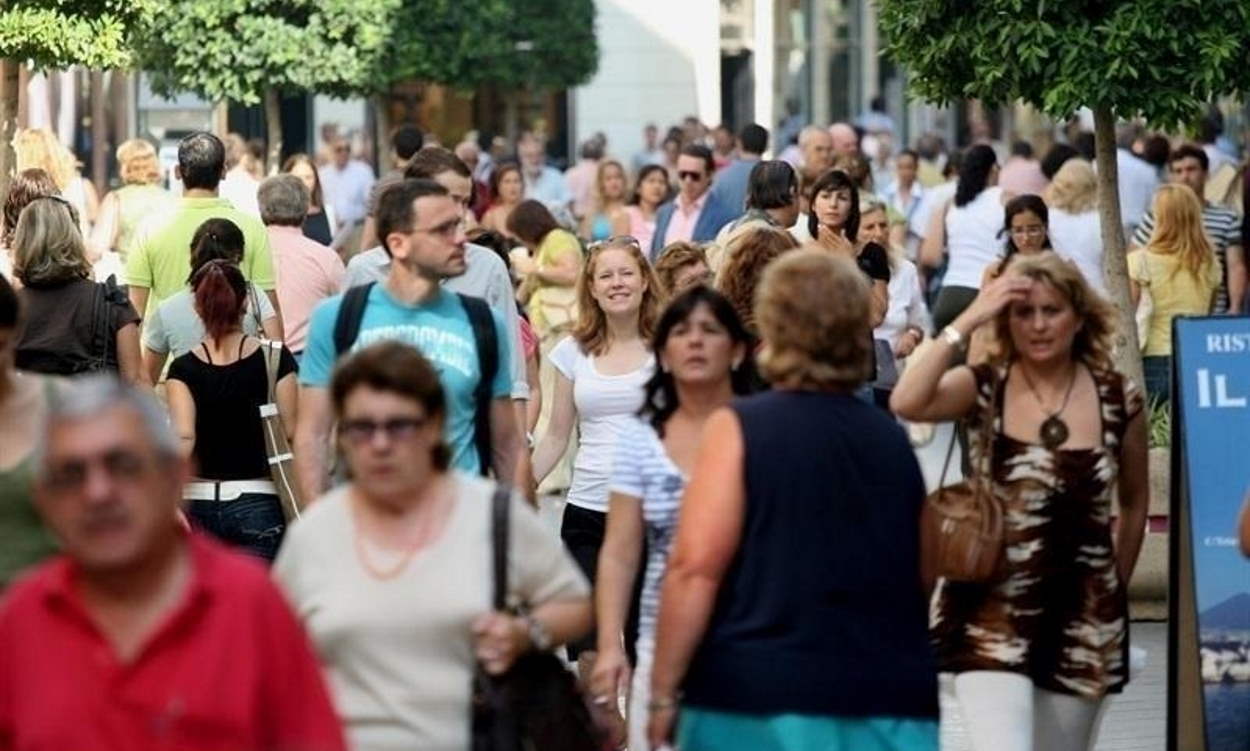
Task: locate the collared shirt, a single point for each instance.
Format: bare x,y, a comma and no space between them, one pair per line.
160,258
308,272
229,669
347,189
685,217
548,187
1138,181
485,276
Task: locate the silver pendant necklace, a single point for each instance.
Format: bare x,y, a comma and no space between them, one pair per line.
1054,431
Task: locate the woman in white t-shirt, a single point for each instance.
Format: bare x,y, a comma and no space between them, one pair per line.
1075,231
600,373
705,352
970,234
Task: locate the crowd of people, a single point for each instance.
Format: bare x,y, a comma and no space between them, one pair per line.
702,357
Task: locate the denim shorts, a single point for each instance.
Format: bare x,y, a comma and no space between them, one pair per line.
253,522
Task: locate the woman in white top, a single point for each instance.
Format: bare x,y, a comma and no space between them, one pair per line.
970,234
1074,227
704,355
906,316
600,372
391,573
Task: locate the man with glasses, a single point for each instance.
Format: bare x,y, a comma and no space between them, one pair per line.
422,230
141,634
347,183
694,215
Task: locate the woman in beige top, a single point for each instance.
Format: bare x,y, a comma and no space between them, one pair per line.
391,573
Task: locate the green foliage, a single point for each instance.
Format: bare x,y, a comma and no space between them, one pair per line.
1159,59
537,43
236,49
1160,425
61,33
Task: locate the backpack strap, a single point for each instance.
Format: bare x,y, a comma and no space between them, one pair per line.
485,338
351,313
500,507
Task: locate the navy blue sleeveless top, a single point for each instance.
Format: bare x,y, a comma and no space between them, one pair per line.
822,609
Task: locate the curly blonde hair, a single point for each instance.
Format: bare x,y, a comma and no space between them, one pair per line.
591,331
814,315
39,147
137,163
673,258
749,253
1093,341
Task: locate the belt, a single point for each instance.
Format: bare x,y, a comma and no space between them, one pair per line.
225,490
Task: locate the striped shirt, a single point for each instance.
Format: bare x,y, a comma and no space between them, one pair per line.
1223,228
643,470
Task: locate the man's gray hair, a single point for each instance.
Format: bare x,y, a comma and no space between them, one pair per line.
90,395
283,200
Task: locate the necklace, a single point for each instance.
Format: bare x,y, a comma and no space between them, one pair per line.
407,552
1054,431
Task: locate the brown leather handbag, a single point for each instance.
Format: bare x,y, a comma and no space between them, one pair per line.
961,526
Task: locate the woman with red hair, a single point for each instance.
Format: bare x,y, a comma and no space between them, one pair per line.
215,393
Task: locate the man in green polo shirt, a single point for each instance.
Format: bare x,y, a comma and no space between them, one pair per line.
160,258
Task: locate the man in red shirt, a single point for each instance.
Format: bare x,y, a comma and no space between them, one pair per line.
141,636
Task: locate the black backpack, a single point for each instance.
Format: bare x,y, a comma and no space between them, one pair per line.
347,327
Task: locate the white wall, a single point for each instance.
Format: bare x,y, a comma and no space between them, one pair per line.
659,61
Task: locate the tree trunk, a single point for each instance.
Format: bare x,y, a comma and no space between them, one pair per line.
382,132
273,131
1127,354
10,89
99,134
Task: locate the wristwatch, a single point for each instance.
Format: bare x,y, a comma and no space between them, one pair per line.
953,337
540,640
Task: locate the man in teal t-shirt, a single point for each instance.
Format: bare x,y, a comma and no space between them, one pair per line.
420,226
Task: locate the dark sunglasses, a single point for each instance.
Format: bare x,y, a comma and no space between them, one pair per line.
686,175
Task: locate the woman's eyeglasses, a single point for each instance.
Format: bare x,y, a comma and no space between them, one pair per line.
396,429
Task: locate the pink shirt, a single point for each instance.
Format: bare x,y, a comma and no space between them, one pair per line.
681,226
641,228
1021,176
308,272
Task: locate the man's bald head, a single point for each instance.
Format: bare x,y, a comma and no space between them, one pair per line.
845,140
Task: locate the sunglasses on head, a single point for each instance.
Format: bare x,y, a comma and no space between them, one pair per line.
616,240
687,175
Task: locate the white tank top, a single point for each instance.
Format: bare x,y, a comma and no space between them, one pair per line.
972,238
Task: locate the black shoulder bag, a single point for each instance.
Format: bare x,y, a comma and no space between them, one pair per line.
537,703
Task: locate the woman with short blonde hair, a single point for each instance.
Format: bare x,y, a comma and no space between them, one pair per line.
1179,269
779,569
140,196
1074,228
681,265
73,324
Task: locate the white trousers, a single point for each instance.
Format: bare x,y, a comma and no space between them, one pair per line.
640,697
1005,712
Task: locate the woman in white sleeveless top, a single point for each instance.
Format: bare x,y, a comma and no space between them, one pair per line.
971,234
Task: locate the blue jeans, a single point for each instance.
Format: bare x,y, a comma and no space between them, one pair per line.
1158,372
253,522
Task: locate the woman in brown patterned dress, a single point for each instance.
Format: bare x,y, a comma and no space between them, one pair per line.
1037,649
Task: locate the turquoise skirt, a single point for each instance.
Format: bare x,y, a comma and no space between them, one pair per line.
708,730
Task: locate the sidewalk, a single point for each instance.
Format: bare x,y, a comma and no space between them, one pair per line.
1135,721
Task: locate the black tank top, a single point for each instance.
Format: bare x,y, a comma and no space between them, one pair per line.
822,610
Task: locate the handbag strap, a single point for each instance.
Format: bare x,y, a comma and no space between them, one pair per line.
271,367
501,501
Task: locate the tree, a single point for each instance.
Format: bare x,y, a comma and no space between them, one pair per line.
517,44
251,51
1160,60
52,34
